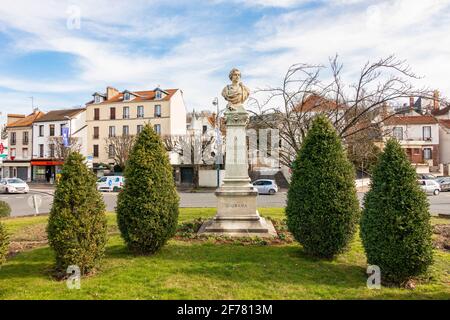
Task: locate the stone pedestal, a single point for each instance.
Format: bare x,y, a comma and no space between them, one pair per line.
237,213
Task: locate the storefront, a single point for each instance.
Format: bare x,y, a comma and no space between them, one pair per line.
16,169
46,170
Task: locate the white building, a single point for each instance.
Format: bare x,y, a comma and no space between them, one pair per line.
201,123
47,140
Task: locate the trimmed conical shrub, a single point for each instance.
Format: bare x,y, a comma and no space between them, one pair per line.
147,208
322,207
395,224
77,228
5,209
4,243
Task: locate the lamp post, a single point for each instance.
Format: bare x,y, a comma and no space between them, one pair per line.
218,145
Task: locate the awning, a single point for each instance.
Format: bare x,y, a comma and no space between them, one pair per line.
46,163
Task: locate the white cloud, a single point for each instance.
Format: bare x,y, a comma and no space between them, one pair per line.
198,62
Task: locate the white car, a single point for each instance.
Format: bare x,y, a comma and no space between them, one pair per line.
430,186
110,183
13,185
265,186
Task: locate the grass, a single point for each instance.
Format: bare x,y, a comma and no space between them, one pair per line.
204,270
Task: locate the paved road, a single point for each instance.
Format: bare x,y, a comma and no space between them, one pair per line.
20,207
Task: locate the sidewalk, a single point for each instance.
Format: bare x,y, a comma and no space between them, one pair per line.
42,187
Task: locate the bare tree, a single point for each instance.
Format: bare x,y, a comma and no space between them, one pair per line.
305,91
193,149
119,148
60,151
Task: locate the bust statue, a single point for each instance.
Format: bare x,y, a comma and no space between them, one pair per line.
235,93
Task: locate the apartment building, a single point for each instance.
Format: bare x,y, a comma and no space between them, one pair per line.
125,113
20,129
48,149
419,136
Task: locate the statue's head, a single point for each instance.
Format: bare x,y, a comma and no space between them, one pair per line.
235,75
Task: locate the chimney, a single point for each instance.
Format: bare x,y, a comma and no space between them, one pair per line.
411,103
13,118
111,92
436,100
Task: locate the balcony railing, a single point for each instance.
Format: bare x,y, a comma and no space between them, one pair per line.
408,139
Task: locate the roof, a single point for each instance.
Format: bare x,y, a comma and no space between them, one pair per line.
141,96
60,115
441,112
404,120
445,123
316,103
26,121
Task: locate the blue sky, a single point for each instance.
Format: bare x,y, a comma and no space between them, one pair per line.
192,45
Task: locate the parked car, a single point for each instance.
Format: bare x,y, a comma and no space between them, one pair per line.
426,176
444,183
265,186
110,183
13,185
430,186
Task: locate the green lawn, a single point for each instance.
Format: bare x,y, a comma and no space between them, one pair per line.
205,270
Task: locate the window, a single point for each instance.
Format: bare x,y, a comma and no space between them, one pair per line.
95,150
96,114
13,138
427,154
41,151
126,112
140,127
52,150
25,137
125,130
112,113
96,133
140,111
112,131
52,130
25,153
13,152
97,98
157,111
61,127
157,128
204,129
158,94
41,131
126,96
111,151
426,131
398,133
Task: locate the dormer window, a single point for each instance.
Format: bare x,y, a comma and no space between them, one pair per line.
158,95
126,96
98,98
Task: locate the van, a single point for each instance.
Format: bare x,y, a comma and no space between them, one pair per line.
110,183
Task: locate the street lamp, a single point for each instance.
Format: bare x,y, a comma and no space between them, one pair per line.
218,145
